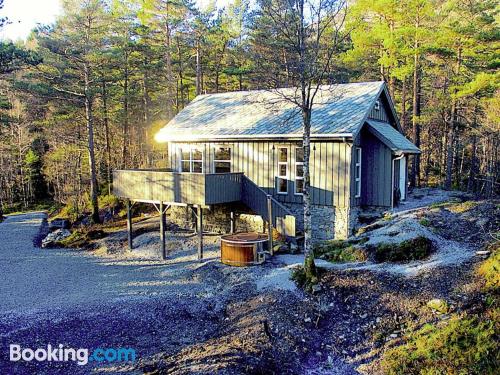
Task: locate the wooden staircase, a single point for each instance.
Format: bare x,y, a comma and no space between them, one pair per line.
262,203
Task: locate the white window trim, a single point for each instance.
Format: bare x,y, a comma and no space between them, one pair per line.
287,171
357,179
191,161
297,178
230,161
377,105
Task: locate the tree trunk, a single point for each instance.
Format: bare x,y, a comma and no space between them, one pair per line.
452,131
125,124
415,170
169,72
94,188
198,67
106,134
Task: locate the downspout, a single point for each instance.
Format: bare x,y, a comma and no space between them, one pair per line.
392,179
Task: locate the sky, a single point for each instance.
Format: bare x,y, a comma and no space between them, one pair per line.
25,14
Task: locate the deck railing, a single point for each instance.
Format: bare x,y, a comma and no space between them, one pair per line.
257,200
176,187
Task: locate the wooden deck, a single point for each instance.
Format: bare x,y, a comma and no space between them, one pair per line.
166,186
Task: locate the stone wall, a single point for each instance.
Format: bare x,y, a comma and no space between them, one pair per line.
217,219
327,222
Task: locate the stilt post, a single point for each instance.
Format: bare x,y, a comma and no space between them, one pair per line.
270,223
129,223
232,223
200,231
162,230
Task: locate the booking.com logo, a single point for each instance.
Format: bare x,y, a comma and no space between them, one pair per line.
61,353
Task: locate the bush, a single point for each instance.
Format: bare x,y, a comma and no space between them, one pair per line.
413,249
490,268
340,251
464,345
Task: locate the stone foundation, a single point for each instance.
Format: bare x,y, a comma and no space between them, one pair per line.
217,219
327,222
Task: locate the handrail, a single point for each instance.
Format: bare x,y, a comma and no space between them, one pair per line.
256,199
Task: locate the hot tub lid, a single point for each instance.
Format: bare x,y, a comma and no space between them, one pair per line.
246,237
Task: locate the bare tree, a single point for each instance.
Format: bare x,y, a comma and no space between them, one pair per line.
307,36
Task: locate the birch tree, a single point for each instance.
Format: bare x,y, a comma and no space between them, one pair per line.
309,34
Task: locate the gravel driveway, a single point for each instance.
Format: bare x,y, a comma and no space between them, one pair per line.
70,297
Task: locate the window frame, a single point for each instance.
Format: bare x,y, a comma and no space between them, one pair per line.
377,105
191,160
357,176
230,161
297,163
279,176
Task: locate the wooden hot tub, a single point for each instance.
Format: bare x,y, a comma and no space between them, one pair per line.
242,249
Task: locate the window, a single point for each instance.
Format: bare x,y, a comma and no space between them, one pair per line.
299,170
222,160
377,105
191,160
357,172
282,171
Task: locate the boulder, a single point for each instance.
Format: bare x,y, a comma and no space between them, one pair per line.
54,237
59,224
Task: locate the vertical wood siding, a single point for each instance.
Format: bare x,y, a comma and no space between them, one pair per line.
376,171
330,168
381,114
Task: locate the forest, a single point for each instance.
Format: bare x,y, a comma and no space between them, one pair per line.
85,95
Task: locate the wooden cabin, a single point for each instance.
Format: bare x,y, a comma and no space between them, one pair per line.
240,154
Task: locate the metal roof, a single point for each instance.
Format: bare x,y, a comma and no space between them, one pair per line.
393,139
338,111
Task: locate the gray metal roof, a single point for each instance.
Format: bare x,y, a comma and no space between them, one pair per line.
393,139
339,110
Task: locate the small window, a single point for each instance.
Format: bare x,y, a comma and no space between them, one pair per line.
299,171
357,172
282,171
191,160
222,160
377,105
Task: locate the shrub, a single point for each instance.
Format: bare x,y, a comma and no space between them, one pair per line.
413,249
340,251
490,268
464,345
425,222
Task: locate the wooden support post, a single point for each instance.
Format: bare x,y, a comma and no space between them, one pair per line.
162,230
270,223
233,226
129,223
200,231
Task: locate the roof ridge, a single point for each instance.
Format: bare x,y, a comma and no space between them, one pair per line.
271,90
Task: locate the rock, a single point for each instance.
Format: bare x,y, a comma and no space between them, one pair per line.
53,237
307,320
108,216
438,305
483,252
363,316
393,335
86,221
316,288
59,224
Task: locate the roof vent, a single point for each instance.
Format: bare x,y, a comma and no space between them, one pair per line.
377,105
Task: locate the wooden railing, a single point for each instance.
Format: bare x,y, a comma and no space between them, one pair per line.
175,187
257,200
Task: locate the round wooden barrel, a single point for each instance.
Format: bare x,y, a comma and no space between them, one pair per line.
241,249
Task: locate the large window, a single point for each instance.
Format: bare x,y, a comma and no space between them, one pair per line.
357,172
191,159
222,160
282,180
299,170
